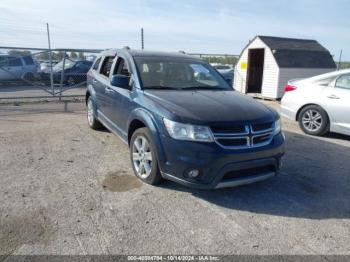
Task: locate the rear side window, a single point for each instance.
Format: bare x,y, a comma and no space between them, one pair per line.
107,65
15,61
343,82
28,60
97,64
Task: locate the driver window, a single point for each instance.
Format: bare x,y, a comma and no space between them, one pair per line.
343,82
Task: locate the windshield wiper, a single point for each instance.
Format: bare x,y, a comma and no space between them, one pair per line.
203,88
162,87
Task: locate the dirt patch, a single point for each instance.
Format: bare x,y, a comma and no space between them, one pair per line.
32,228
120,182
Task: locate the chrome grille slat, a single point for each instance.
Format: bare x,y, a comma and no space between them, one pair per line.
249,135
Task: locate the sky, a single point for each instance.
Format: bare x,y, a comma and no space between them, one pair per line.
196,26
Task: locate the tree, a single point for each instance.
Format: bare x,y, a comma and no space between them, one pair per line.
60,55
81,56
230,60
43,56
19,52
73,55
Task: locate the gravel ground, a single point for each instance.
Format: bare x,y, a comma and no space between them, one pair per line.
66,189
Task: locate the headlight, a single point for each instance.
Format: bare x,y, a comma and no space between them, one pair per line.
278,126
188,132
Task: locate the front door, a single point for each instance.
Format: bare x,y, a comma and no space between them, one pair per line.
11,68
338,103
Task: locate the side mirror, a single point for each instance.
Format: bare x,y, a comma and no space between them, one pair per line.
121,81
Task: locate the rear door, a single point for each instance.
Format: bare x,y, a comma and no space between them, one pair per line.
338,103
100,83
122,102
30,65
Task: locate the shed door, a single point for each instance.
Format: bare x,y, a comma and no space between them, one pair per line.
255,70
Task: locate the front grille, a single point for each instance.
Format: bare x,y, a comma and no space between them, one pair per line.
243,136
238,142
261,127
228,130
249,172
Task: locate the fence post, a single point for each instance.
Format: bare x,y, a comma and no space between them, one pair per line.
50,57
62,73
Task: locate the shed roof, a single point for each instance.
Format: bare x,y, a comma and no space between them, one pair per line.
298,53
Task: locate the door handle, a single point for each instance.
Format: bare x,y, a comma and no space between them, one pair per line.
108,89
94,80
333,97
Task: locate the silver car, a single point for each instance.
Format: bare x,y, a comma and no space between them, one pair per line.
320,104
17,67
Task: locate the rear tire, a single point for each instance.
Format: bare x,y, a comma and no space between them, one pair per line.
91,118
143,156
313,120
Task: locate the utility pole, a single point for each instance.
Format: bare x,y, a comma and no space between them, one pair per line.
142,40
339,62
50,57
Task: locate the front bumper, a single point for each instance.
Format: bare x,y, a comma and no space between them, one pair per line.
216,163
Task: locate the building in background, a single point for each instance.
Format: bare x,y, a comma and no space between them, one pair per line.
267,63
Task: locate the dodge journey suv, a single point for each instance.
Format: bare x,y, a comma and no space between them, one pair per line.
182,121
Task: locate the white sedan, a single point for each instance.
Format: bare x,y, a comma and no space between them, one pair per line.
320,104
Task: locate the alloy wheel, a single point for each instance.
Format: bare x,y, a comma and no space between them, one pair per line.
312,120
142,156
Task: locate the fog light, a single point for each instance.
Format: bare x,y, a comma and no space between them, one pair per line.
193,173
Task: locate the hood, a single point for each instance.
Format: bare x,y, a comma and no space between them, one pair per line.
211,106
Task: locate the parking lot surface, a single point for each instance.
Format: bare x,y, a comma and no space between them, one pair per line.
66,189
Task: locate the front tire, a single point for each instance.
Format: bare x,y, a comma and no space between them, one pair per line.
91,118
71,81
313,120
143,156
28,76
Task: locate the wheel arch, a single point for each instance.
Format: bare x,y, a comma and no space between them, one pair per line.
141,118
310,104
90,92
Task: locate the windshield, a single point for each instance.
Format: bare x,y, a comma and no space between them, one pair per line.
178,73
68,64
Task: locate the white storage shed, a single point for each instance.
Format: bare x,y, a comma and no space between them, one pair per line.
267,63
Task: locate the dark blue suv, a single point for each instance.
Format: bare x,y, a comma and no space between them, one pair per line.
182,121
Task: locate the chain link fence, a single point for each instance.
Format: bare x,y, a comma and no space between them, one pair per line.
43,73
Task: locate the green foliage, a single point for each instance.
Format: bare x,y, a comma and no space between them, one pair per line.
58,56
344,65
19,52
73,55
230,60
